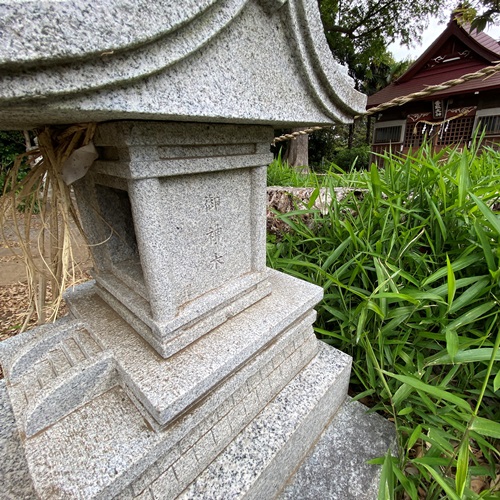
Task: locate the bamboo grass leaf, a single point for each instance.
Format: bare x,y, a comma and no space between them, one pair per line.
463,179
496,381
361,322
430,389
415,435
486,427
432,461
442,482
451,282
468,356
469,295
336,253
457,265
491,217
372,306
439,218
405,411
313,198
452,343
485,245
401,394
375,182
471,315
462,467
386,484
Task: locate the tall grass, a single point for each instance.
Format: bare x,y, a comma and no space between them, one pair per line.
280,174
410,271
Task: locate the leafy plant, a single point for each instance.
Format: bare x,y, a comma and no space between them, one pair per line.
357,158
280,174
409,264
12,144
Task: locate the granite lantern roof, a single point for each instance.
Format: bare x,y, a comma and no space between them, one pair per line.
225,61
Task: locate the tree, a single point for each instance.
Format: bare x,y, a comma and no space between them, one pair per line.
359,32
480,14
297,151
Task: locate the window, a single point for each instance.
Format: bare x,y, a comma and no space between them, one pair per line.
457,131
388,132
491,124
488,120
414,136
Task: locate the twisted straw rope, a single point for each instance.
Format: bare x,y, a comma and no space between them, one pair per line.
399,101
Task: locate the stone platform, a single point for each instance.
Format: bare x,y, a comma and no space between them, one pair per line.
335,467
100,414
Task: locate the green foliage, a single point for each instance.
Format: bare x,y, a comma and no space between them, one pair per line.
11,145
359,32
354,158
409,262
330,146
280,174
323,144
479,14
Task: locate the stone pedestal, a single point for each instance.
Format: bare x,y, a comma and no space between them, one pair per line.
186,368
185,345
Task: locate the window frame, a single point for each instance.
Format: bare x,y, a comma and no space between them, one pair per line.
388,124
484,113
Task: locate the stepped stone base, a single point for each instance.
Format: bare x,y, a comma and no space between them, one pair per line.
99,414
335,468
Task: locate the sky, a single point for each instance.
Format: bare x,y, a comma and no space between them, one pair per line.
429,35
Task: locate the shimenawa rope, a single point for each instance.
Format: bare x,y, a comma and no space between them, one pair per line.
399,101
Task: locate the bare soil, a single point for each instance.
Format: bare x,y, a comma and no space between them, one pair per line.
14,298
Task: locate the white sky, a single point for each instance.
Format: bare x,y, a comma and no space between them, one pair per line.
428,36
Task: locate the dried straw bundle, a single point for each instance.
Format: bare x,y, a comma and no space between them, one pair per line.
47,251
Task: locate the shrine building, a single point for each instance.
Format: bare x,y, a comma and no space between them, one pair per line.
447,117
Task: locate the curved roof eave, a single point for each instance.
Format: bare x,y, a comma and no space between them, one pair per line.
152,75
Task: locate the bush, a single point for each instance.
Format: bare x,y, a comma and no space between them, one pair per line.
280,174
11,145
409,264
352,159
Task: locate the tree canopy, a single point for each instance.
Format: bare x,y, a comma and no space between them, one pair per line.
359,32
480,13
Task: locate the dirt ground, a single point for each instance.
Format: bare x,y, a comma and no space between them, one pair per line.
14,300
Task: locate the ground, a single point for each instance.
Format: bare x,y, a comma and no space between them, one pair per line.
14,301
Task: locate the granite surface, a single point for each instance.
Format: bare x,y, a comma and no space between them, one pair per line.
215,61
62,30
336,467
259,460
167,478
210,359
55,373
175,214
15,481
113,443
139,150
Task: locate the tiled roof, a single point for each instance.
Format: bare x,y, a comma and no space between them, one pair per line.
485,48
416,84
486,41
